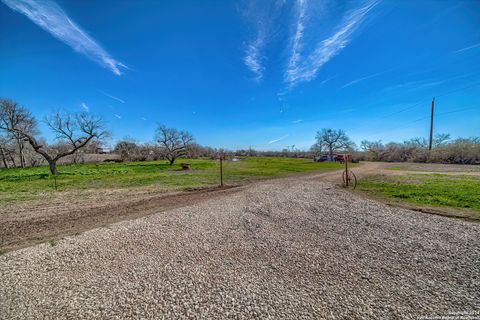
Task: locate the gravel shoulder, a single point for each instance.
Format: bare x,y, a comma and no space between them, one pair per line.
292,248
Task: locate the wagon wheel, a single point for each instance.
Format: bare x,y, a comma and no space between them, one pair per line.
352,179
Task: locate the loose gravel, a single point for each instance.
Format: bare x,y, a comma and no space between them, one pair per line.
281,249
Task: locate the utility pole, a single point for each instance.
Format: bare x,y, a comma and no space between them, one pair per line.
431,124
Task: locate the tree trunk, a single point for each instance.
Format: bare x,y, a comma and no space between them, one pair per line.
171,161
53,167
5,163
12,159
20,149
331,152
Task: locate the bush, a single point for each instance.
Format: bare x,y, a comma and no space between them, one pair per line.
459,151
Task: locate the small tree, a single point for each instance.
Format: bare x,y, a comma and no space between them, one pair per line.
440,139
128,149
72,131
317,148
174,143
14,120
6,152
374,149
333,140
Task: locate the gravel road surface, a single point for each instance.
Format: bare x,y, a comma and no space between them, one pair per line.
291,248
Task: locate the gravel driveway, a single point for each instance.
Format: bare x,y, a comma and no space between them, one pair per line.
291,248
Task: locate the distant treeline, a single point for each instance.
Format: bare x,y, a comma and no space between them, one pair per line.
125,150
80,139
455,151
129,150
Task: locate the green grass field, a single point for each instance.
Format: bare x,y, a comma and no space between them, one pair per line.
455,191
30,183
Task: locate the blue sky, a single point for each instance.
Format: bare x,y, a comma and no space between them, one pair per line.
264,74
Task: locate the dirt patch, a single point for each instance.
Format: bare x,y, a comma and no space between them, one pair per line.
28,224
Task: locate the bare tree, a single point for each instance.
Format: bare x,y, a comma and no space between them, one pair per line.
14,116
175,143
317,148
5,151
417,142
333,140
72,131
128,149
373,149
440,139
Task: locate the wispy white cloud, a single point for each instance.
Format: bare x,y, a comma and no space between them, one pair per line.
306,70
295,56
363,78
143,118
263,15
85,107
253,58
110,96
279,139
467,48
297,121
50,17
117,116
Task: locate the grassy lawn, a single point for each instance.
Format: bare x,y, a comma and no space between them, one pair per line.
30,183
455,191
395,168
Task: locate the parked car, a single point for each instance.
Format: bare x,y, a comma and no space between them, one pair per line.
336,158
321,158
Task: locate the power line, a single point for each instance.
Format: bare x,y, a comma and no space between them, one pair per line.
407,124
422,101
419,103
457,110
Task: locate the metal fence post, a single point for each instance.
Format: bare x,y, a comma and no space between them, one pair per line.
221,171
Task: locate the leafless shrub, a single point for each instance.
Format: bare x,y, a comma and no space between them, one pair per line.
461,151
